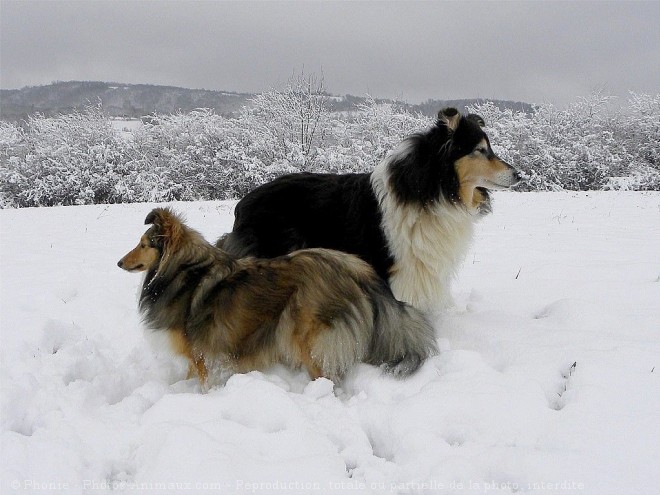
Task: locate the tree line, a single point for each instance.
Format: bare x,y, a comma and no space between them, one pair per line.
80,158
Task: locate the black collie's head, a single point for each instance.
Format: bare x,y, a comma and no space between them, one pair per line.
453,160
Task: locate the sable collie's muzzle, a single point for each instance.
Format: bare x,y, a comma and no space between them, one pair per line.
130,268
141,258
136,268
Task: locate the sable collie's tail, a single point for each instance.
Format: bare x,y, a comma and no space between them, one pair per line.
403,338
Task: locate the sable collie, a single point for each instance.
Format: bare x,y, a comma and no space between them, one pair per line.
318,309
412,218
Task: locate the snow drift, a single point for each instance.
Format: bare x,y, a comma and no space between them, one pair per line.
546,383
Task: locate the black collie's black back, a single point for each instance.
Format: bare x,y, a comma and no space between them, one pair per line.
308,210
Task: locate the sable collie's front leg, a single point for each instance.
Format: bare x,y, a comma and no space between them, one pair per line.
199,366
196,365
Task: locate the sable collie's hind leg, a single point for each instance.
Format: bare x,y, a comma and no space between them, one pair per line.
196,365
334,350
307,330
312,368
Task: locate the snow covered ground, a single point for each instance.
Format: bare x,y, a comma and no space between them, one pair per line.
126,128
547,380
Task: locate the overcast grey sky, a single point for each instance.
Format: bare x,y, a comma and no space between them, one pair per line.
529,51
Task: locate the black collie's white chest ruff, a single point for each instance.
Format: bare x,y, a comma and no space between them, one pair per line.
428,244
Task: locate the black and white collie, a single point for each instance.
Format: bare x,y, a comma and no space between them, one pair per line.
412,218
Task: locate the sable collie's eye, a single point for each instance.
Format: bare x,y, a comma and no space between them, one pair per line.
481,151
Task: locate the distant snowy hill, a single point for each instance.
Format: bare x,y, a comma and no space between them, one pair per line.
137,100
118,100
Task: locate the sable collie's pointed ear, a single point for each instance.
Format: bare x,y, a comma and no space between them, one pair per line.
477,118
168,225
160,216
451,117
151,218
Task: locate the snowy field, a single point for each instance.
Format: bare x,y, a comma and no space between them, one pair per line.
126,128
546,384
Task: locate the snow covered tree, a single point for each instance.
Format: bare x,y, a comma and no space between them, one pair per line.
288,125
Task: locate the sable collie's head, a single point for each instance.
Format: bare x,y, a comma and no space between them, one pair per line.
165,233
453,161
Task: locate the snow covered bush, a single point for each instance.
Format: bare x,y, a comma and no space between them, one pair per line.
66,160
363,138
641,133
181,155
80,159
201,155
643,126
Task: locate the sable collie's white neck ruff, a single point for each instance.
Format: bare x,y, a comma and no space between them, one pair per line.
427,244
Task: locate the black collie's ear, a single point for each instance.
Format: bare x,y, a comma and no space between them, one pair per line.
451,118
477,118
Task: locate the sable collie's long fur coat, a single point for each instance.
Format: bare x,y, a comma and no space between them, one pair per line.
411,218
319,309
